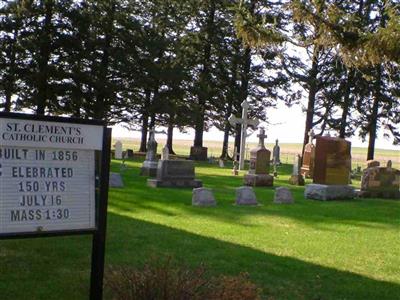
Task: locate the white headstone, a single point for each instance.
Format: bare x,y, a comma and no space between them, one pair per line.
221,163
118,150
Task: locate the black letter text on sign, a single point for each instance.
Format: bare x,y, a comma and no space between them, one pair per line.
54,181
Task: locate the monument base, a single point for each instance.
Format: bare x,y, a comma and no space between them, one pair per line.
329,192
297,180
198,153
393,195
149,168
306,172
258,180
180,183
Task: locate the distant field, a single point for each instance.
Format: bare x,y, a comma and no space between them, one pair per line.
182,147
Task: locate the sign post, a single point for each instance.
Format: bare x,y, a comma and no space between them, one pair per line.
54,181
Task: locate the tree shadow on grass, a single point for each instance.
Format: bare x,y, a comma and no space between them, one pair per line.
131,241
361,213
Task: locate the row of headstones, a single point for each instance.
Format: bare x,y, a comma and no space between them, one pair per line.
328,163
244,196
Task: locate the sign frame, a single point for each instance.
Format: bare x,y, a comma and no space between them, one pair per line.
101,201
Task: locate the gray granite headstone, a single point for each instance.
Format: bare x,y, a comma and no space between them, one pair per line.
116,180
175,173
203,197
245,196
329,192
283,196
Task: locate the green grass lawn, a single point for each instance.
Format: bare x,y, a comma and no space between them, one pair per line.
309,250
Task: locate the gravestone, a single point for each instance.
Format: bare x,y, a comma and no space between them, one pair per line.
296,178
245,122
175,173
276,154
332,168
198,153
165,153
373,163
116,180
149,167
245,196
380,182
118,150
332,163
258,174
203,197
307,169
129,153
283,196
221,163
235,166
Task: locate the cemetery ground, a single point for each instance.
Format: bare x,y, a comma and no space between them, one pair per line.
182,147
308,250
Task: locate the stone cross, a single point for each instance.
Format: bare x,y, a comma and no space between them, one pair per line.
244,122
311,135
261,136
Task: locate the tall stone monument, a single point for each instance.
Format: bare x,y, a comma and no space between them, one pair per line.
307,169
332,167
258,174
245,122
296,178
380,182
149,167
276,154
165,153
118,150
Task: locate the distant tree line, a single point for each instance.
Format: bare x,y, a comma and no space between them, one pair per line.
190,64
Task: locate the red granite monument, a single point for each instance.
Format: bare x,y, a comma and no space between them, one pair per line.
332,163
332,167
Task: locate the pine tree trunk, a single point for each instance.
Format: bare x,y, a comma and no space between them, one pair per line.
7,104
145,122
237,141
374,114
43,61
224,152
311,96
170,135
346,104
143,139
203,93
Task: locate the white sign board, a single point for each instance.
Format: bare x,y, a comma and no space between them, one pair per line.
47,175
